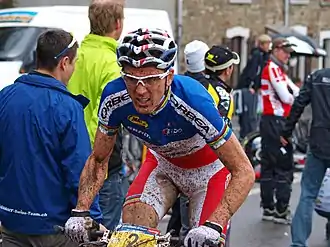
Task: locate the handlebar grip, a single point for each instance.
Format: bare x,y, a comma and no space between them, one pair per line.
176,241
59,229
94,235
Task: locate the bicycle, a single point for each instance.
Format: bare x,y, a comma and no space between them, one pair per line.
128,235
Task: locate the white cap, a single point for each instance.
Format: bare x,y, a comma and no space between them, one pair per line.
194,55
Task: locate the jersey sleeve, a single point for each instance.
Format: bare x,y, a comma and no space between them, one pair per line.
108,113
203,114
279,81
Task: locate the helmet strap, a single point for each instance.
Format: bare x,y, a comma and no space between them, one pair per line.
166,89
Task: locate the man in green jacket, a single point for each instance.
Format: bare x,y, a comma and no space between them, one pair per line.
95,67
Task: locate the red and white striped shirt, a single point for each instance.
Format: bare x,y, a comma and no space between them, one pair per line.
275,84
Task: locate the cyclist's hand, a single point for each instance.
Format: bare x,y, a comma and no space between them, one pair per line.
78,226
203,236
102,228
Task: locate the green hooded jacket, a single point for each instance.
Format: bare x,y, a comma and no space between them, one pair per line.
95,67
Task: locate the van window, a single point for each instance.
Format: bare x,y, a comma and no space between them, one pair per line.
15,42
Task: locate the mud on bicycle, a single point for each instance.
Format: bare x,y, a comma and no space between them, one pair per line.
128,235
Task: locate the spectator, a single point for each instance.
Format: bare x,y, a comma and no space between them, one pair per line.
249,84
315,91
219,64
194,55
95,67
43,147
278,93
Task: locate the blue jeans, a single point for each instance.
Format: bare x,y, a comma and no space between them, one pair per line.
112,197
311,181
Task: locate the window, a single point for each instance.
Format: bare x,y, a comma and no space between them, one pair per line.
326,60
308,66
299,1
325,2
324,38
235,45
237,39
12,45
241,1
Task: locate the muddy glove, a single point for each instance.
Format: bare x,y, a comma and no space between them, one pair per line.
79,225
207,235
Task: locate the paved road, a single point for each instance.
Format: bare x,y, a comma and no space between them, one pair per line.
249,231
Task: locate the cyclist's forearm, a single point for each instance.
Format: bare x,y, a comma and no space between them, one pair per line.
234,158
91,181
234,196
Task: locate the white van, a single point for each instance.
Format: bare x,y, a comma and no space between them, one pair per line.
20,28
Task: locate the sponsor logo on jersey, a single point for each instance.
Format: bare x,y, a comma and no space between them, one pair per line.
171,131
111,103
140,132
136,120
192,116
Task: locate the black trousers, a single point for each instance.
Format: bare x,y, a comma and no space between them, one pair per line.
11,239
276,165
248,118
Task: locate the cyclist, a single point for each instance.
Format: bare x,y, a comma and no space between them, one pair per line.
177,119
219,66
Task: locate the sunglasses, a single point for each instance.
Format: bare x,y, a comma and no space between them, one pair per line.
72,43
146,81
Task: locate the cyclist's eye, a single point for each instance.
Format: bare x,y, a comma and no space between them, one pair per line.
152,80
130,80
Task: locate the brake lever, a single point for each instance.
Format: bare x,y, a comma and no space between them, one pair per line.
211,243
59,229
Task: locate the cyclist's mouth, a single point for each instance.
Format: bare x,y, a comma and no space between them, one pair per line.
143,101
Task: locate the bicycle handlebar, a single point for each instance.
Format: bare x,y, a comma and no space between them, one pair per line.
94,235
176,241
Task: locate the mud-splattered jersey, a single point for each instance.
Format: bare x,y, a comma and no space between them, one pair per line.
185,122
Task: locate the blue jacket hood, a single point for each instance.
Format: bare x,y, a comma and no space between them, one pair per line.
38,80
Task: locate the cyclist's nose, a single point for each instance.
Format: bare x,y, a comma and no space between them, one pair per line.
140,88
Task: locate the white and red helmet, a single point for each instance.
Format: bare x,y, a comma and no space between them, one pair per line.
145,47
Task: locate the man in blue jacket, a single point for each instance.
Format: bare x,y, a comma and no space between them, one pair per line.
43,147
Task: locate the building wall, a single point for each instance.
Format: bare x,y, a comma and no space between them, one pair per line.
209,19
219,21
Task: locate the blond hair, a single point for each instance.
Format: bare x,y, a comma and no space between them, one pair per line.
104,14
